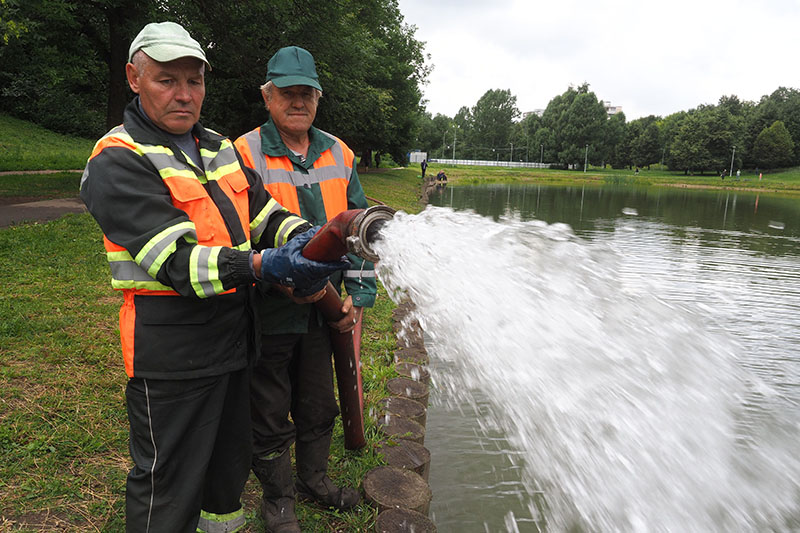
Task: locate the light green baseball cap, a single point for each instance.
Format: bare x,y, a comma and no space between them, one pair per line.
167,41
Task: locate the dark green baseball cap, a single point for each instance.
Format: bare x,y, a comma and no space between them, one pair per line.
292,65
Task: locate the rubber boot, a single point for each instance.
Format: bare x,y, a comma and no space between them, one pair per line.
313,482
277,501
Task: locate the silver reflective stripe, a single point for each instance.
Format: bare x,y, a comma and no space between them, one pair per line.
166,240
128,271
253,139
203,276
155,455
286,228
213,161
227,526
264,217
299,179
359,274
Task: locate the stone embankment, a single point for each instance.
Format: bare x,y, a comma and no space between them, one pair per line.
400,490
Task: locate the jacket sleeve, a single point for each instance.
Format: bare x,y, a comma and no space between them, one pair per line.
359,279
125,194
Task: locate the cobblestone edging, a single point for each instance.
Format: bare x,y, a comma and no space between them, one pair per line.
400,490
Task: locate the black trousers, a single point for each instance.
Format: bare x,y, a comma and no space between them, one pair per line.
293,375
190,441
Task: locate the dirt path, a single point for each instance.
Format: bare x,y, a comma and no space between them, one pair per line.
25,210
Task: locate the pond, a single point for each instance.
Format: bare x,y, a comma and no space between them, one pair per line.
608,358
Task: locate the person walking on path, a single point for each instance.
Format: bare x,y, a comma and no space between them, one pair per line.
313,174
424,166
179,215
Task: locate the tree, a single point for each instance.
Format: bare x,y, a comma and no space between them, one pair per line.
577,119
613,150
774,146
64,67
645,146
492,119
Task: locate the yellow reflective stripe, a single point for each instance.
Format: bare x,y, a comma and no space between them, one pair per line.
171,172
259,224
162,245
286,228
222,170
244,246
221,523
149,285
204,271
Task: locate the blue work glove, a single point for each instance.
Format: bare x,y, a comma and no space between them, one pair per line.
287,266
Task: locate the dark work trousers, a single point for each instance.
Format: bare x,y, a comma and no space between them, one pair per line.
293,374
191,444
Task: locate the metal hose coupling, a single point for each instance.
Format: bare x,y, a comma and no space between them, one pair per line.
355,231
366,230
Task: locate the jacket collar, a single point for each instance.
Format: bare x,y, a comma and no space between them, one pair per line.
272,144
143,130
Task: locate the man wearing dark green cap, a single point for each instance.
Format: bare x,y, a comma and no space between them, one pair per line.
312,174
180,215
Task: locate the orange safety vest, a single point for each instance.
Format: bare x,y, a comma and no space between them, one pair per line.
331,171
207,225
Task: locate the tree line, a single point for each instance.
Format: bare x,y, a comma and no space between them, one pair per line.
575,129
62,63
62,66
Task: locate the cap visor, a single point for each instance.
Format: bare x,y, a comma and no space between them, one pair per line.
288,81
165,54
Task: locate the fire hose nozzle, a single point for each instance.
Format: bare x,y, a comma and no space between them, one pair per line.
365,231
352,231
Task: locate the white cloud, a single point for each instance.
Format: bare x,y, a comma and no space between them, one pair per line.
649,57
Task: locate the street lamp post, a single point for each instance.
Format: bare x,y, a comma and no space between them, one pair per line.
730,173
585,157
541,156
443,145
455,131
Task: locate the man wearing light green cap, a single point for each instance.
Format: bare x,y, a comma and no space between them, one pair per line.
182,220
313,174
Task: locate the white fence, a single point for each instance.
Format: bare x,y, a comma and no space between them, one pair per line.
483,163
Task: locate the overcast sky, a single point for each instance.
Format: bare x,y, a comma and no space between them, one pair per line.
651,58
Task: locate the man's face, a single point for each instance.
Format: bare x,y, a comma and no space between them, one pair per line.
293,108
171,93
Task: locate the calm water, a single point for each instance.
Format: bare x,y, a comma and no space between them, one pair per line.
608,359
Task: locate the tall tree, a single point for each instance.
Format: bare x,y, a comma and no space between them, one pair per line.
774,147
492,121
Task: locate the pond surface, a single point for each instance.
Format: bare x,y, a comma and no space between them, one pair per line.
650,381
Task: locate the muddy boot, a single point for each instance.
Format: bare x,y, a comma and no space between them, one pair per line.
313,482
277,502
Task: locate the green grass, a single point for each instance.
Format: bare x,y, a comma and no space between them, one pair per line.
63,427
55,185
25,146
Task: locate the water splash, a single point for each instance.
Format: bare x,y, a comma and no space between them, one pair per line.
628,410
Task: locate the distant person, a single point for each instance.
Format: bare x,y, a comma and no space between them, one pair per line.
738,174
424,166
636,171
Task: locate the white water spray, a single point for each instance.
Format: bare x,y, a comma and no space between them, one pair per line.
628,410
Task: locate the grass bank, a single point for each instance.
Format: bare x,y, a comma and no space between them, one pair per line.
26,146
63,426
779,181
